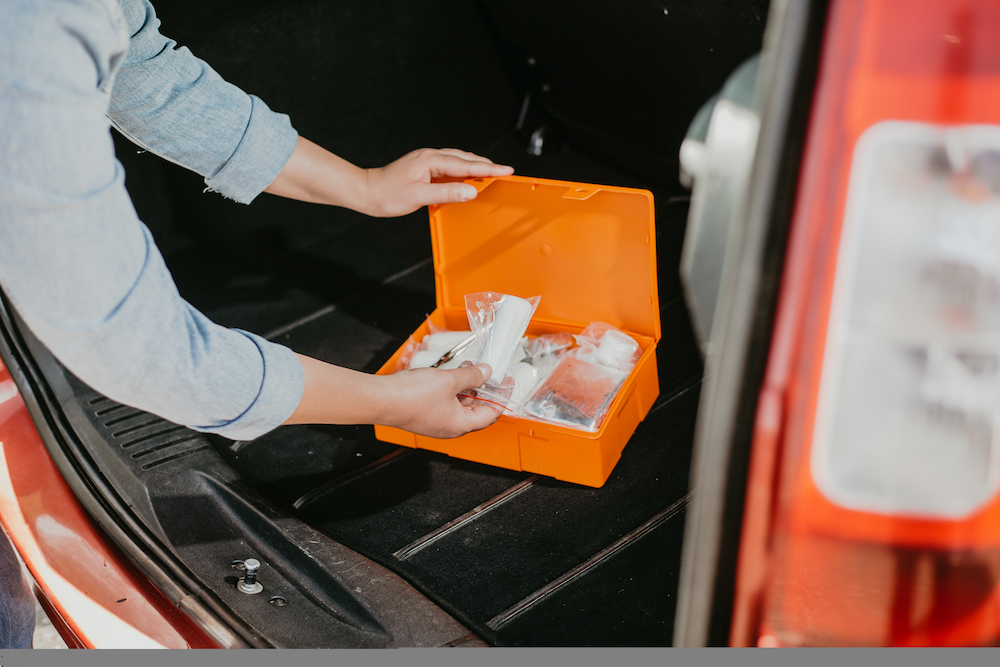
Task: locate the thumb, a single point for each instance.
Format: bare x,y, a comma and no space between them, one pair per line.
470,377
479,417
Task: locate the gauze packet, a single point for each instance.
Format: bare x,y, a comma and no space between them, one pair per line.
499,322
564,379
535,360
585,380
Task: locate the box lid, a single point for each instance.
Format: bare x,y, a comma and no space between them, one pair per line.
588,250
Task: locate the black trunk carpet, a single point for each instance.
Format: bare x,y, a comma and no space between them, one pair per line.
555,563
546,562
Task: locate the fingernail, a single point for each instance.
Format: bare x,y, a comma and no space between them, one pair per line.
468,192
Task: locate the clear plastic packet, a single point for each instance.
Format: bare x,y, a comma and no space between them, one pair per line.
535,359
529,376
434,346
548,344
603,344
576,393
499,322
586,379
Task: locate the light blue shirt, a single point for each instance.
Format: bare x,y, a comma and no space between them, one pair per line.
75,260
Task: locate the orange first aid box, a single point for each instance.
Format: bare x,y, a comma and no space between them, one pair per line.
589,252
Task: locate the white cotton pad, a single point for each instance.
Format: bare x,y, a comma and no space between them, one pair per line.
471,353
424,359
509,324
620,347
444,341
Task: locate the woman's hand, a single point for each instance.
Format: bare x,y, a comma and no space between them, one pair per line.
423,177
412,181
423,400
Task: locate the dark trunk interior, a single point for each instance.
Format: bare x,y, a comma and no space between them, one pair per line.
604,91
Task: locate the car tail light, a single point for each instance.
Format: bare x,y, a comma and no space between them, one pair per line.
872,514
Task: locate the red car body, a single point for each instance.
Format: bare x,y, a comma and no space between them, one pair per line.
773,574
94,596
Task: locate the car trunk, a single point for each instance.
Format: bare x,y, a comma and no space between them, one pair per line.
367,543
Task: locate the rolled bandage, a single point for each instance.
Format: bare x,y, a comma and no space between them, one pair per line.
510,321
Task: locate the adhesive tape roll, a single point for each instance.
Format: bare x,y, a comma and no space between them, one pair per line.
509,324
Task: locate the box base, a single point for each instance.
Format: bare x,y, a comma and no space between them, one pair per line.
545,449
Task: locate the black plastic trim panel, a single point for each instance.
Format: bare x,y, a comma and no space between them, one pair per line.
166,497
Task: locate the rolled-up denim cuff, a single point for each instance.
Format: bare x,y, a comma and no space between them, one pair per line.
279,396
263,152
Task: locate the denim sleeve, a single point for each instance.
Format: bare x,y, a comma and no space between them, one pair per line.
76,262
173,104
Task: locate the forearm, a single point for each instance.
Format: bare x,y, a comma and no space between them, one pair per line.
338,395
314,174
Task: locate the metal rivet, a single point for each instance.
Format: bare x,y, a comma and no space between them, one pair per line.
278,601
248,583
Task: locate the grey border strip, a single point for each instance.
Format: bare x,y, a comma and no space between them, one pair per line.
505,617
479,510
504,656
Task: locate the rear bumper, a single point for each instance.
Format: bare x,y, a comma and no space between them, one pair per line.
95,596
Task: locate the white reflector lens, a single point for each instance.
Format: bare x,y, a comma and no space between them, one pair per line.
907,413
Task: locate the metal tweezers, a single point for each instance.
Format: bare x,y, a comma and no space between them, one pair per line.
453,352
